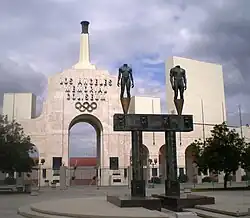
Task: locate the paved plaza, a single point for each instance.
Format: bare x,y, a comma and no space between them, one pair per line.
9,203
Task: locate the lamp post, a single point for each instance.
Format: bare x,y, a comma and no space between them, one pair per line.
194,173
97,176
39,172
130,172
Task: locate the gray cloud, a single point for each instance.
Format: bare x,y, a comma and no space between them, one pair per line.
20,78
224,38
43,36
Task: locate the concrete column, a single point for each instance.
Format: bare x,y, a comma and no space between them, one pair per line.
199,178
2,176
221,177
20,179
63,178
238,175
68,176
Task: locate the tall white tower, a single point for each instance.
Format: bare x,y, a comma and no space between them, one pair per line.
84,57
204,97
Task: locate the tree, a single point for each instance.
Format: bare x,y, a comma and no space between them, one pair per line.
198,150
15,147
221,152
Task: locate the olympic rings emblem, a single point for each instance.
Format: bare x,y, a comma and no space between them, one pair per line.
85,106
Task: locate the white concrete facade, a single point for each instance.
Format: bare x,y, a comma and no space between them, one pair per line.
204,99
83,83
19,105
49,132
204,84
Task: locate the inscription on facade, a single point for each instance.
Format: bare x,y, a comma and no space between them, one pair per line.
85,91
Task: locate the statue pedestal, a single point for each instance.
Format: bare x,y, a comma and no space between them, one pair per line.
172,188
150,203
125,104
178,203
138,188
179,105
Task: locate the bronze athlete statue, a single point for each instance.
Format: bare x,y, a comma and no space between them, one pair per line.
178,81
125,79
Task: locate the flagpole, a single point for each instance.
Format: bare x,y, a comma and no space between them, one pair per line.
63,126
223,112
241,130
153,113
203,121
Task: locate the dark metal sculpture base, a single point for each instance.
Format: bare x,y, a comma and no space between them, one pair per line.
177,204
172,188
150,203
138,188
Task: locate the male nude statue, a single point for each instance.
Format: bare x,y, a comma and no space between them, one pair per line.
126,78
178,81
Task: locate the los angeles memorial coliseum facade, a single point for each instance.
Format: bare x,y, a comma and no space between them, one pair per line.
85,93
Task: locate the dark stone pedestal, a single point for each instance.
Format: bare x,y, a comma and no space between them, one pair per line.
150,203
177,204
172,188
138,188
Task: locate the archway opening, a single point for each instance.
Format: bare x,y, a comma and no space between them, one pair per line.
145,155
144,152
84,149
191,167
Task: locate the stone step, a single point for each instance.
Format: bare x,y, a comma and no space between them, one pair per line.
26,211
185,214
207,214
229,212
169,213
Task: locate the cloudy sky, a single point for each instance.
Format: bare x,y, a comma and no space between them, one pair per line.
40,38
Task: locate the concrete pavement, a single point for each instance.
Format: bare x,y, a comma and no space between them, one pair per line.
9,203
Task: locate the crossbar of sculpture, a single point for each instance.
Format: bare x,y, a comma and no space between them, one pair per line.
153,122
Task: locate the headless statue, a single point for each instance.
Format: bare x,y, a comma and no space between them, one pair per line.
125,79
178,81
